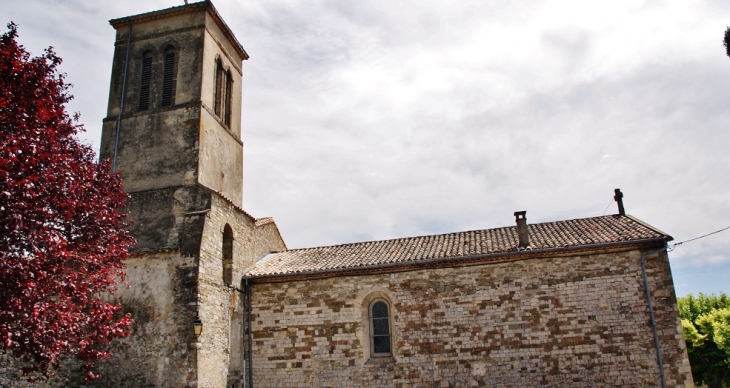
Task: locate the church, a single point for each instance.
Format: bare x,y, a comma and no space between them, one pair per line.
220,301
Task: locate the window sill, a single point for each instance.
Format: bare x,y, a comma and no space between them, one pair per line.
380,359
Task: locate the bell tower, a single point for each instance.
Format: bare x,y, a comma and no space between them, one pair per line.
173,124
173,130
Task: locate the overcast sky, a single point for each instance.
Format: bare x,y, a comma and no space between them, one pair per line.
384,119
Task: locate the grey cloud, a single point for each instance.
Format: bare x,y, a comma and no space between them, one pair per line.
335,164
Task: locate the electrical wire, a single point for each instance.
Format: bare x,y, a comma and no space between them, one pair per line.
606,209
696,238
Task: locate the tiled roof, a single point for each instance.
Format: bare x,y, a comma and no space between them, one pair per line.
230,202
577,233
257,221
264,221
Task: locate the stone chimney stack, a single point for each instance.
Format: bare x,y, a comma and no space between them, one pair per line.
524,238
619,197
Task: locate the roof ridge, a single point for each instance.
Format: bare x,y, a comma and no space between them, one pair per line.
580,233
467,231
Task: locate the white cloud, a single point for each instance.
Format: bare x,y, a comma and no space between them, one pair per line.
384,119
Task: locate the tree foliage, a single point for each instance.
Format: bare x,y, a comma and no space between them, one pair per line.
706,327
62,228
726,41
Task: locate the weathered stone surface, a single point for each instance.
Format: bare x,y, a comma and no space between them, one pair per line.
220,353
184,143
564,321
161,299
183,168
559,320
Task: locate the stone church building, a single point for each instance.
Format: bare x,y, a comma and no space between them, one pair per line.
576,303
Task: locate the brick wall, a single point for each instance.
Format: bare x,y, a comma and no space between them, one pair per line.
563,321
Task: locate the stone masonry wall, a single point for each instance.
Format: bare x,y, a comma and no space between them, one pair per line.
11,375
578,321
158,147
160,352
220,361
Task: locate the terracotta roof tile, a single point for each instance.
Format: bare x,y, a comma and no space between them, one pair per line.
264,221
230,202
576,233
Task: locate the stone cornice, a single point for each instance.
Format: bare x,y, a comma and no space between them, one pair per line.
180,10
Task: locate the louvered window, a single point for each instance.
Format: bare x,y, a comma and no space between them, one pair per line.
144,88
168,80
218,88
229,88
223,91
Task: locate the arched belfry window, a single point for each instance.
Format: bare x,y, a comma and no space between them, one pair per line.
229,91
145,78
227,254
380,327
223,91
169,77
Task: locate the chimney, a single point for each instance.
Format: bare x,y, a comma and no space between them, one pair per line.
619,197
524,238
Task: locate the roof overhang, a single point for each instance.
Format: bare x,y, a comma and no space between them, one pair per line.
206,6
462,261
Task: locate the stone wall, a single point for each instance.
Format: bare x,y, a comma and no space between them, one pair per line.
165,290
158,147
220,361
161,351
185,142
162,297
11,375
220,163
563,321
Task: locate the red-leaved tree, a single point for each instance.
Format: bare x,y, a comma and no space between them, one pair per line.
62,228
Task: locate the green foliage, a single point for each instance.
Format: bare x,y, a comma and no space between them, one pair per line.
63,237
691,335
706,328
717,323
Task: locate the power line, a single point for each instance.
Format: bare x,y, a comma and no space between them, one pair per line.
609,204
696,238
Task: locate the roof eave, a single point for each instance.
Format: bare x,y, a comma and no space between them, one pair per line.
206,5
452,261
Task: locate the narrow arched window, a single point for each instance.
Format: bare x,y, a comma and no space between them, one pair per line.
219,85
169,78
229,90
223,92
144,86
380,327
227,254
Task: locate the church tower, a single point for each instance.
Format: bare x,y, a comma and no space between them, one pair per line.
173,130
174,116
